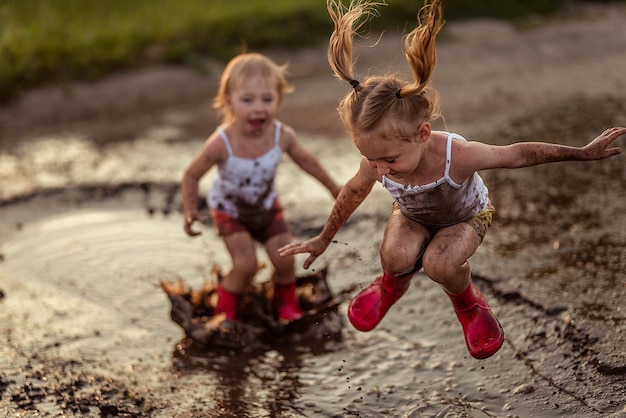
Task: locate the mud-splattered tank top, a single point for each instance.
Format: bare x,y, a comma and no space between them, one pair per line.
244,187
443,202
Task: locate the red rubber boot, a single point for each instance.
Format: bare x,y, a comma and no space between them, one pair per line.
483,333
227,303
286,301
369,307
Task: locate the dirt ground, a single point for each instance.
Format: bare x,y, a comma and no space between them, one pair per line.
553,263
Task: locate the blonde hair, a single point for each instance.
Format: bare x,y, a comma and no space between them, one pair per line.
385,105
244,66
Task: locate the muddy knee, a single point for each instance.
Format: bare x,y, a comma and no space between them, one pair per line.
441,269
399,264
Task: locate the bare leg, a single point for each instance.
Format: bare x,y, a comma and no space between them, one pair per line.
401,249
241,247
446,257
403,243
242,251
445,261
285,299
284,266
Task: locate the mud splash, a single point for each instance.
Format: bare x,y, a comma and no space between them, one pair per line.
259,330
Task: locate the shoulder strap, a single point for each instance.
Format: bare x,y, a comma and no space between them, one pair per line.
277,132
446,171
451,136
225,139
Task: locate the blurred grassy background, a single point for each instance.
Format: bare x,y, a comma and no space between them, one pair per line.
52,41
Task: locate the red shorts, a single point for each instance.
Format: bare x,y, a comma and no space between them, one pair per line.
272,223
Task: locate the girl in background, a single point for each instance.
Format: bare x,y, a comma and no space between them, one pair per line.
247,148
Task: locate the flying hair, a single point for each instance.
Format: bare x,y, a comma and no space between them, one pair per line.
348,20
385,105
419,47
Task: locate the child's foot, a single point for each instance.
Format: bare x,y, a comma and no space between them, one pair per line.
369,307
483,333
227,303
286,301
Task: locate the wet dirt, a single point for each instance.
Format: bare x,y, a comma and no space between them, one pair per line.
90,226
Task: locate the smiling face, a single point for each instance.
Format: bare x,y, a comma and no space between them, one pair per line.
391,157
253,102
395,157
250,91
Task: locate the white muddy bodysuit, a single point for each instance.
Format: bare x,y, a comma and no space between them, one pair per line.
244,187
443,202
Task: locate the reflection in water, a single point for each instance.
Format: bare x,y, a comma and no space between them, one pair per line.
245,385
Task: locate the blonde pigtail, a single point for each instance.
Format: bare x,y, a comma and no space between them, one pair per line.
385,106
347,22
419,47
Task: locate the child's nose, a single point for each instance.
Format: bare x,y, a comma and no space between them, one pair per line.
259,105
382,169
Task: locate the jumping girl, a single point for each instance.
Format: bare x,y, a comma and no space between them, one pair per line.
442,209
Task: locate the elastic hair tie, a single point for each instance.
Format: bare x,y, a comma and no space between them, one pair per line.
398,95
354,83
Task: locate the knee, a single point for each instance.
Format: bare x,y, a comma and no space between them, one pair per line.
397,263
439,267
285,270
246,267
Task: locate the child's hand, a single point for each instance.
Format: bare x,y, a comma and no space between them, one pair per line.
599,147
189,220
314,246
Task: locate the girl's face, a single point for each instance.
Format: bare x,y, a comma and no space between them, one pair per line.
254,104
398,158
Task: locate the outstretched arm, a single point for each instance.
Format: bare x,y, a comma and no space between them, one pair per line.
475,156
349,198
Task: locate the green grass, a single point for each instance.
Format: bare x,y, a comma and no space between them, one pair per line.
55,40
51,41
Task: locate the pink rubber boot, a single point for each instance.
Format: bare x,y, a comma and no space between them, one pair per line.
369,307
483,333
227,303
286,301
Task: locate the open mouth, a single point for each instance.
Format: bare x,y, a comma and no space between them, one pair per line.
257,123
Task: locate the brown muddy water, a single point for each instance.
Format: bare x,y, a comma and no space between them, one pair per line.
86,328
87,331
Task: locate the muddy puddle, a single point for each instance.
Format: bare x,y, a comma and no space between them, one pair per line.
86,330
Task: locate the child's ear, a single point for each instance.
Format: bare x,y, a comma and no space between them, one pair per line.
424,132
